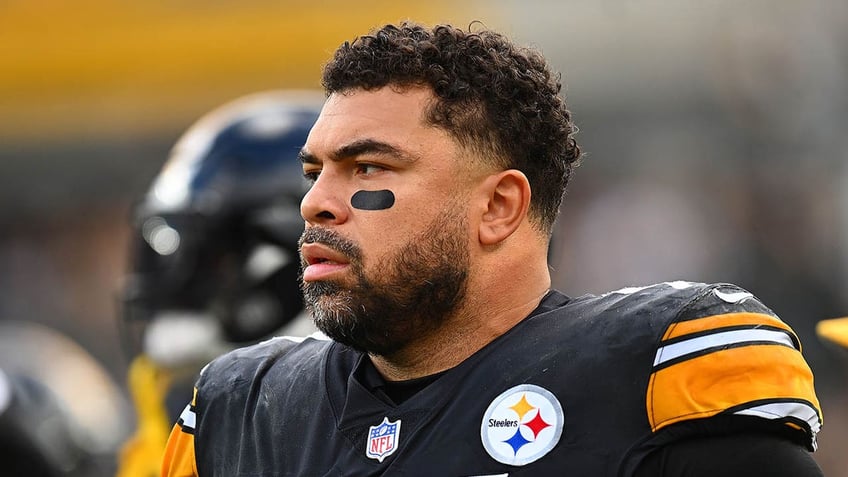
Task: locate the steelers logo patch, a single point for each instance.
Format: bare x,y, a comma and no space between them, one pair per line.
522,425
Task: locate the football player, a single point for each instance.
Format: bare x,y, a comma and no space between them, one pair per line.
438,164
214,255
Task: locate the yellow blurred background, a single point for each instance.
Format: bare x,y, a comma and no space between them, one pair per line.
713,132
134,67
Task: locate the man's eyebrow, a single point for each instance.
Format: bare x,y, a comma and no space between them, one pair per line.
306,157
358,148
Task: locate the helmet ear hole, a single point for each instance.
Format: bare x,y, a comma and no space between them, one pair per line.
267,301
230,187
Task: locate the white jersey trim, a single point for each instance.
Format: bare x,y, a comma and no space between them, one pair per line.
722,338
188,417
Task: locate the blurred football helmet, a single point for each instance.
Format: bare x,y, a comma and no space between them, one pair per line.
61,414
214,259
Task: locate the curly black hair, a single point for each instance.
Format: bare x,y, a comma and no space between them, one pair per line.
493,96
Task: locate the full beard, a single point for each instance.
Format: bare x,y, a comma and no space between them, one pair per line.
421,285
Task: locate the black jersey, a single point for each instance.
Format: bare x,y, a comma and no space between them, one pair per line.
583,387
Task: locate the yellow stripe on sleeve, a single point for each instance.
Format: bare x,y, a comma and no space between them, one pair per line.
179,455
689,327
742,363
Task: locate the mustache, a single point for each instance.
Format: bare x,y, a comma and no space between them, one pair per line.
331,239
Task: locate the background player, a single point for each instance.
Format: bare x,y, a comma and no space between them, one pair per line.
214,255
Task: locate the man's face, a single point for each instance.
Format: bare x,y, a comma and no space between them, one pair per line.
385,251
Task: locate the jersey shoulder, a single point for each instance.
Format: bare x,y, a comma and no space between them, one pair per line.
718,351
285,354
664,303
226,382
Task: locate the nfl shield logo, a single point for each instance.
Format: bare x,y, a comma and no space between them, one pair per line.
383,439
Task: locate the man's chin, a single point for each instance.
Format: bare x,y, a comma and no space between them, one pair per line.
330,304
319,290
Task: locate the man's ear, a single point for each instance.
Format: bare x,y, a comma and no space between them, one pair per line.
508,200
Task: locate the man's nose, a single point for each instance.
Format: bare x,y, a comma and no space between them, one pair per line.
323,203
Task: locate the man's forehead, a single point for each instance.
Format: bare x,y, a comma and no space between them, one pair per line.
403,105
387,120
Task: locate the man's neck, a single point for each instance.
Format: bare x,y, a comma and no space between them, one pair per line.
465,333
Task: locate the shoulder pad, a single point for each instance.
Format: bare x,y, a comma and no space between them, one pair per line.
241,360
228,377
724,352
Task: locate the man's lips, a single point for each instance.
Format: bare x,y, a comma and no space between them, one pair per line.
321,261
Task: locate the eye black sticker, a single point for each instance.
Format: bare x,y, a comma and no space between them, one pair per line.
372,199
